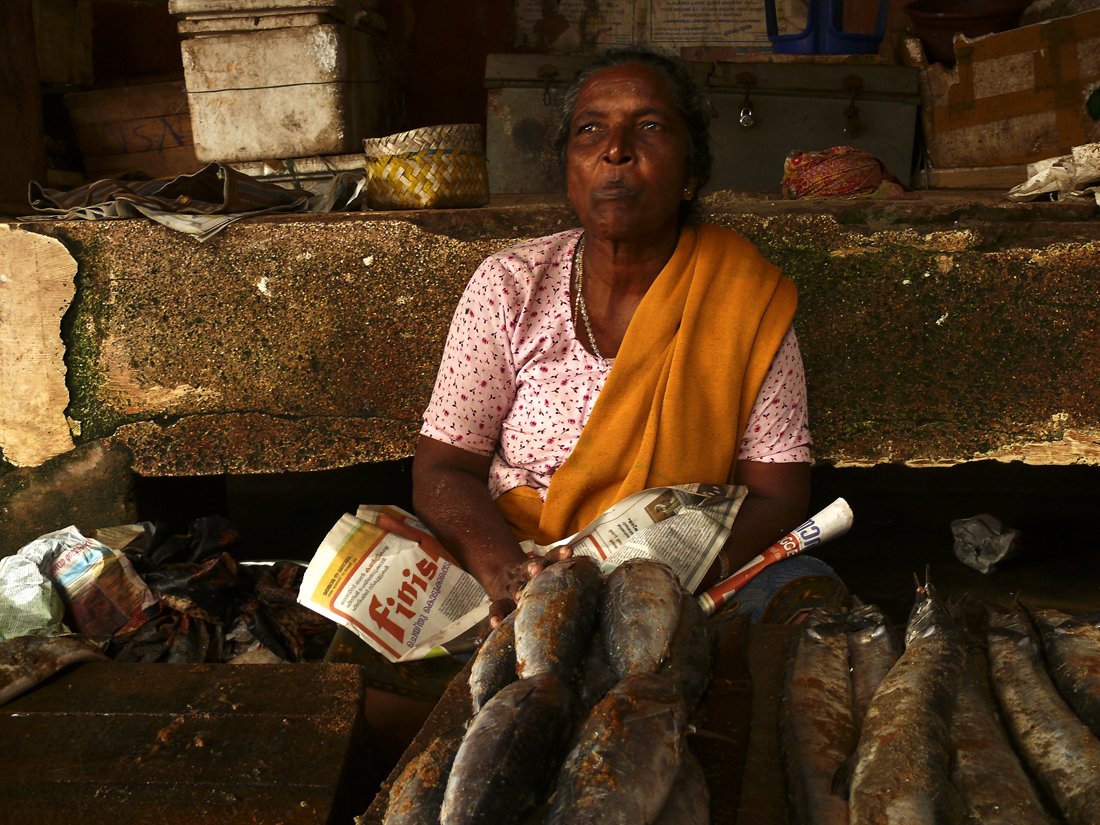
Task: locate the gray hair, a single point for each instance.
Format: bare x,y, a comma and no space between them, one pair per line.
690,100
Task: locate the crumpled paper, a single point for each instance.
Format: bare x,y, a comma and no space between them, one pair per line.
982,541
1072,178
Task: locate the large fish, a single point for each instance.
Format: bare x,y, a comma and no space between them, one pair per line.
994,787
417,795
639,614
1072,650
494,666
625,758
27,660
873,647
817,730
902,772
692,652
508,754
555,618
688,802
596,677
1060,750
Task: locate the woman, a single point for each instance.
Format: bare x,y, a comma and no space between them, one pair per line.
636,352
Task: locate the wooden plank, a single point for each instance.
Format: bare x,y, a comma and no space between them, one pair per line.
763,799
22,147
146,134
63,36
127,103
105,743
1004,176
160,163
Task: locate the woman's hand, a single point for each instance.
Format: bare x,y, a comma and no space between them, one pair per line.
509,582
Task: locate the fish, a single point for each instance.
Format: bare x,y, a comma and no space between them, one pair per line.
691,652
596,677
994,786
902,765
555,618
508,754
494,666
1072,649
688,802
817,729
1062,753
417,795
625,758
639,614
873,647
27,660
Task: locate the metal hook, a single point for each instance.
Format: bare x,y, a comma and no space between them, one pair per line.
547,71
852,124
748,115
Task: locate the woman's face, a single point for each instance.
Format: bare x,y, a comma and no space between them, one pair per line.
626,162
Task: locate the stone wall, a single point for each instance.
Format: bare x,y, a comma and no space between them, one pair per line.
934,331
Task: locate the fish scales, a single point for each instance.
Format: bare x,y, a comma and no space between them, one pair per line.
639,613
688,801
508,754
1060,750
873,647
817,729
495,664
902,772
417,795
596,678
555,618
994,786
691,654
625,757
1072,650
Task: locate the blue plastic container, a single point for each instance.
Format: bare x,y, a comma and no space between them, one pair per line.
824,32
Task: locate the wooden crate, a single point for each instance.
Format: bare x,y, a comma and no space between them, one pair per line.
134,129
1015,97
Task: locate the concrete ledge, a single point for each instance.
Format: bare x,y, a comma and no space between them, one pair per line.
934,331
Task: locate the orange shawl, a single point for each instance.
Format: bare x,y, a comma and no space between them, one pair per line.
678,397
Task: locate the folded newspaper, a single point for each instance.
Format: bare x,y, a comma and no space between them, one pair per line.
383,575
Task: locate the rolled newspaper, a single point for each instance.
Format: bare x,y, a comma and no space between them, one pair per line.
835,520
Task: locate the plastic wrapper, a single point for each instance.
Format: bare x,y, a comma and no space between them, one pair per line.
982,541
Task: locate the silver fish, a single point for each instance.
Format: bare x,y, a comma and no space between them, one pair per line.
873,647
27,660
691,656
417,795
639,614
625,758
817,731
555,618
1072,649
688,802
1057,746
902,772
508,754
494,666
987,772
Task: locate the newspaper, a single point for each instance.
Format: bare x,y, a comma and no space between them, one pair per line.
384,576
98,584
832,522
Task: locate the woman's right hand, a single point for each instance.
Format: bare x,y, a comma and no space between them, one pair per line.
510,580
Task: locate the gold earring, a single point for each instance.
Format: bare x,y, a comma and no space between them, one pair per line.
689,194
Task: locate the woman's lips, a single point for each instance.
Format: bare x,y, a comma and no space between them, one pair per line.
614,189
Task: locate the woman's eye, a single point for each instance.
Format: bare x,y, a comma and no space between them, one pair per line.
651,125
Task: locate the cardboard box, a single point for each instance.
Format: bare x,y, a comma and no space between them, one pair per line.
1014,97
144,129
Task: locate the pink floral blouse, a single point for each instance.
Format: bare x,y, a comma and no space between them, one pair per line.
515,382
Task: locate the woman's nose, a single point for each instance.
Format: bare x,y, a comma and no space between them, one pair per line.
619,147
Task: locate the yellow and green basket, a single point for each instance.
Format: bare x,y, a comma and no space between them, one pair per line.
436,167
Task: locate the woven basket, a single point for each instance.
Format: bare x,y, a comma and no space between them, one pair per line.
434,167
